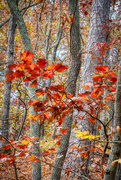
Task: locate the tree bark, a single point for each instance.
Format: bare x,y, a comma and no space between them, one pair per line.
110,171
34,127
7,86
98,33
71,87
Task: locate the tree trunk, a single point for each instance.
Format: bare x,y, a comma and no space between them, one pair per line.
98,33
34,127
71,87
7,87
110,171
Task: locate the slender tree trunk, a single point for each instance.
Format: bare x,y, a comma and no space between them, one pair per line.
71,88
110,171
7,87
34,127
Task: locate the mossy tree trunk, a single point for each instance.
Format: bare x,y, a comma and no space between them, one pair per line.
34,127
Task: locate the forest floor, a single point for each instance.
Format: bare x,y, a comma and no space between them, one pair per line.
24,171
24,168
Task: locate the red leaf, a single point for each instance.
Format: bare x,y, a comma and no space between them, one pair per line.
11,67
63,131
2,139
99,127
36,160
96,78
9,77
57,143
56,87
41,63
22,154
6,147
19,74
102,68
34,83
40,92
59,67
85,13
48,74
2,155
91,120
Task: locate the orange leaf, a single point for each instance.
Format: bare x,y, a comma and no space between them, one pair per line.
94,92
51,67
99,59
63,131
74,147
85,87
72,18
118,128
32,157
27,56
34,83
33,66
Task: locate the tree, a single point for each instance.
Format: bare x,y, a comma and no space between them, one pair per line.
49,23
75,47
110,172
34,132
7,90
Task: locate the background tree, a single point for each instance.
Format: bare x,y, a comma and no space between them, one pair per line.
7,89
75,47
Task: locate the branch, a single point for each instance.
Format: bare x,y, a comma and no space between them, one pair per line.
8,141
24,8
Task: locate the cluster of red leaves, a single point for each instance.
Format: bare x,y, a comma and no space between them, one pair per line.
103,79
29,71
60,103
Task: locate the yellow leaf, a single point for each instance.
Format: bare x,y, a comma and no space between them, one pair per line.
119,160
25,142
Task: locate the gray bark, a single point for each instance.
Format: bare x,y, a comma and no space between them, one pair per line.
99,20
110,171
34,127
71,87
7,87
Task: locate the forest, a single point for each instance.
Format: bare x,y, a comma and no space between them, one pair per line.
60,90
